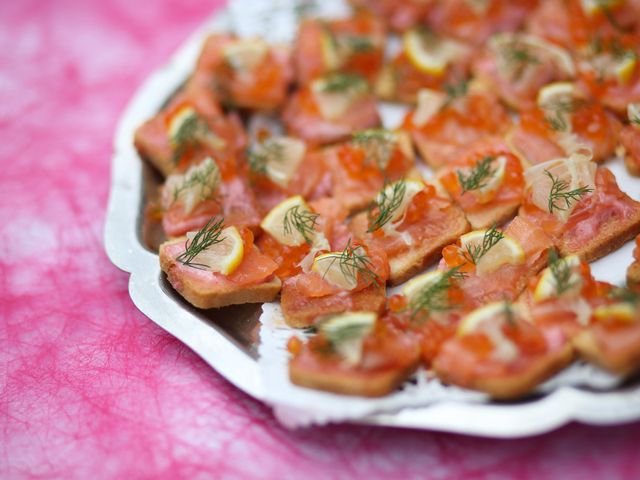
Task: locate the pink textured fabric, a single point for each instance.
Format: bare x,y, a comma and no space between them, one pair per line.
89,386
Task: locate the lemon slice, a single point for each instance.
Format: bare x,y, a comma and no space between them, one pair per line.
411,188
282,157
624,311
625,67
197,184
281,219
506,251
487,191
347,331
633,114
223,257
555,93
331,56
178,119
591,7
489,320
429,53
335,93
418,284
576,171
195,128
493,312
245,54
547,286
429,104
339,270
503,44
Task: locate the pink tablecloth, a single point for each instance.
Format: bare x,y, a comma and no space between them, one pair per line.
88,385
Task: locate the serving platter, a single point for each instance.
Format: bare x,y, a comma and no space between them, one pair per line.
228,339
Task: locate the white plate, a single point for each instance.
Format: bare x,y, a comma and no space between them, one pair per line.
226,338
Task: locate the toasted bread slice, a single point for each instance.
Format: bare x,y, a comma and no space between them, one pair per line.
492,214
621,361
633,165
518,384
354,382
434,153
151,141
633,276
405,266
300,312
414,261
203,293
424,252
610,237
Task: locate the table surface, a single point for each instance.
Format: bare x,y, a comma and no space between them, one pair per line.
87,383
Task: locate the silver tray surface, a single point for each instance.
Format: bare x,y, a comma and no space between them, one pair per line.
227,338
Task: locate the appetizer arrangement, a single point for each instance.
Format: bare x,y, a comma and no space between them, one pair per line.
280,183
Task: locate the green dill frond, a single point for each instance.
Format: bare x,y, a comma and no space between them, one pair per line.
624,294
516,56
557,118
434,297
206,237
509,314
474,253
560,193
336,336
562,274
386,205
188,136
358,44
303,221
454,91
261,154
605,8
208,181
353,261
478,176
378,145
343,82
304,8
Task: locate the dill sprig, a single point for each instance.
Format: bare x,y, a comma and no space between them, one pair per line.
517,57
605,7
612,47
353,261
386,205
303,221
562,274
478,176
206,237
358,44
304,8
348,44
208,179
188,136
509,314
560,192
343,82
624,294
433,297
559,109
473,253
453,91
336,336
260,155
378,145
